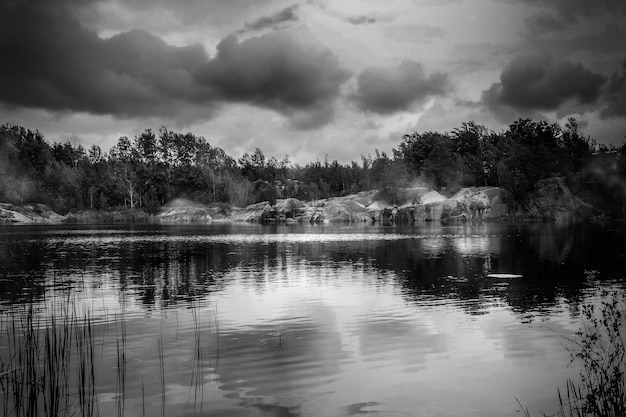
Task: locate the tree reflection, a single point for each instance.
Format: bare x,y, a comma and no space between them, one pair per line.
162,267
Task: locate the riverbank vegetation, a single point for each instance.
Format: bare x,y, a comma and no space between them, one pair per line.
598,349
145,172
60,360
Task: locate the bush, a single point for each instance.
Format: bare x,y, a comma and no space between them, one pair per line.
600,347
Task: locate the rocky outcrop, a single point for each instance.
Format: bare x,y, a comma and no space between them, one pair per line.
292,210
289,210
30,213
553,200
481,203
251,213
423,204
263,212
339,209
221,212
181,210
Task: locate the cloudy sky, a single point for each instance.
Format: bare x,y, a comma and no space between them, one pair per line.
309,78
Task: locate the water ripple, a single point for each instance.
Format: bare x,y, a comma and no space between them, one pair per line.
259,238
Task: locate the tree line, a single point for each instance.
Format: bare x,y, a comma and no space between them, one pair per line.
154,167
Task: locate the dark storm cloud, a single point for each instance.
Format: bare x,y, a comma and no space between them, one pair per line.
615,95
57,64
288,14
466,58
609,39
54,63
574,10
389,90
203,11
285,71
52,4
557,15
543,84
542,23
312,118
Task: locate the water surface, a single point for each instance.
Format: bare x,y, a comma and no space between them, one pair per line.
249,320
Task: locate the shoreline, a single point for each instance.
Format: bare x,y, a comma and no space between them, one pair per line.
553,203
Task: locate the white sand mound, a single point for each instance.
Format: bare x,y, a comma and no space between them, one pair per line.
182,203
181,210
432,197
377,206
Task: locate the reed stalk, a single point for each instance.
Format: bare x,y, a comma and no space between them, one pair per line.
121,367
49,362
598,346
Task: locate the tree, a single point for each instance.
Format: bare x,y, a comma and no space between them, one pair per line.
577,149
154,167
264,191
124,158
416,147
530,151
535,148
147,147
440,166
253,166
67,154
470,144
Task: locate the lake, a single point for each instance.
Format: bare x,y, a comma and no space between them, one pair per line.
329,320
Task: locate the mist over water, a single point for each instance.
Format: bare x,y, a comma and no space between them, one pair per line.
331,320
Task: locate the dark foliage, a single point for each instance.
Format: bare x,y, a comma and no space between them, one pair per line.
154,167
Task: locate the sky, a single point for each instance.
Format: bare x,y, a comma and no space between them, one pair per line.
309,79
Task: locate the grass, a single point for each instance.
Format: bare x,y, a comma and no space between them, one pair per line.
121,367
85,368
197,375
52,363
110,216
36,379
598,346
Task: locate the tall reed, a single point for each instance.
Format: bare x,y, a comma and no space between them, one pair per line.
161,374
36,380
85,369
53,360
599,346
121,366
197,372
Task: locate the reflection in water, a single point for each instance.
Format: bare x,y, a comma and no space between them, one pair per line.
317,321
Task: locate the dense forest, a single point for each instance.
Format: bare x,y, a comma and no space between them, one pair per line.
154,167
